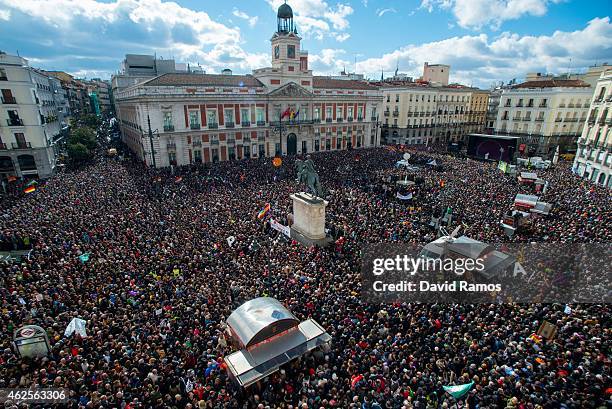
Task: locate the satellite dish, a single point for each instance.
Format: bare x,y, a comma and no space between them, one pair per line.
406,156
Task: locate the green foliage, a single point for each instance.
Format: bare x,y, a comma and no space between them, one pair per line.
84,136
78,152
91,120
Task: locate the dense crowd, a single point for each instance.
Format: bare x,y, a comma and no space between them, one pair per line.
161,278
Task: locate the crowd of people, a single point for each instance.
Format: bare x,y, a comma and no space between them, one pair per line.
161,277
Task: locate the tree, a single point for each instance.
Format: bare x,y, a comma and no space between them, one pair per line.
91,120
78,152
84,136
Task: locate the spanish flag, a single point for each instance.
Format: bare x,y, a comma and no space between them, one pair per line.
263,211
30,189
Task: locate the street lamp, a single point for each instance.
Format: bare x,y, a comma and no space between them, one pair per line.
279,129
151,140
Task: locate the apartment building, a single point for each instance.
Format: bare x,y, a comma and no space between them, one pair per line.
29,120
544,114
594,155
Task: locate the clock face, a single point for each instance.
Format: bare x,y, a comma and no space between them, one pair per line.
276,52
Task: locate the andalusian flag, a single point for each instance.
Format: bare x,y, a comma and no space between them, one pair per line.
264,211
30,189
457,391
32,183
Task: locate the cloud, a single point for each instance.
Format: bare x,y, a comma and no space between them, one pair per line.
342,37
381,12
316,18
475,14
241,14
328,61
5,15
484,60
92,28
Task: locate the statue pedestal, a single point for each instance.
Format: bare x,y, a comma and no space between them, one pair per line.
309,219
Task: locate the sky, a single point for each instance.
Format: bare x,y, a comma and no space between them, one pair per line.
484,41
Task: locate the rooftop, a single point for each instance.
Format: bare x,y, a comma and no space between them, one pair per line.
330,83
553,84
174,79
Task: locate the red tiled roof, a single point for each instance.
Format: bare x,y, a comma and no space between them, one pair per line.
553,84
329,83
174,79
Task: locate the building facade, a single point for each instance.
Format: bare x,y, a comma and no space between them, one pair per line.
417,113
594,156
544,114
29,120
280,110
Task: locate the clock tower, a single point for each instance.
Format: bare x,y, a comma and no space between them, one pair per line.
286,53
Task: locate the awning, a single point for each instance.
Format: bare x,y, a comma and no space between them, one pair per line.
250,365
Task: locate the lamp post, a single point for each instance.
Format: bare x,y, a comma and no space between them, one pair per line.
280,128
151,140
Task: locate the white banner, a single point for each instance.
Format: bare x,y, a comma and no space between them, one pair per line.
402,197
76,325
279,227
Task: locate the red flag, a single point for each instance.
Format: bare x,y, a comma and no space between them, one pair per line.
287,112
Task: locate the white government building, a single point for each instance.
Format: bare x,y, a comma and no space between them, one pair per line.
205,118
594,157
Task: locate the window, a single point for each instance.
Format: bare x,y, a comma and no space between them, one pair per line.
317,113
277,149
328,112
290,51
194,122
304,147
277,52
167,118
350,112
260,115
374,112
360,112
396,97
316,145
339,112
211,117
245,115
229,115
197,156
3,75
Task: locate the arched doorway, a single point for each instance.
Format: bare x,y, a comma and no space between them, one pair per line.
6,164
602,179
291,144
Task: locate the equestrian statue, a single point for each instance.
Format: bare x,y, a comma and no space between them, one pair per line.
307,174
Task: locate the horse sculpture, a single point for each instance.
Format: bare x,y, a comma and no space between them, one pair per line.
307,174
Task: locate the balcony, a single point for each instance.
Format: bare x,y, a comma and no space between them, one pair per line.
214,142
539,119
316,120
197,143
261,138
246,139
359,119
394,126
517,118
169,128
387,113
507,105
14,122
373,118
571,119
328,119
171,146
213,125
261,123
561,106
558,119
542,105
395,113
570,105
194,126
230,125
9,100
245,124
350,119
527,119
21,145
530,105
519,105
339,119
